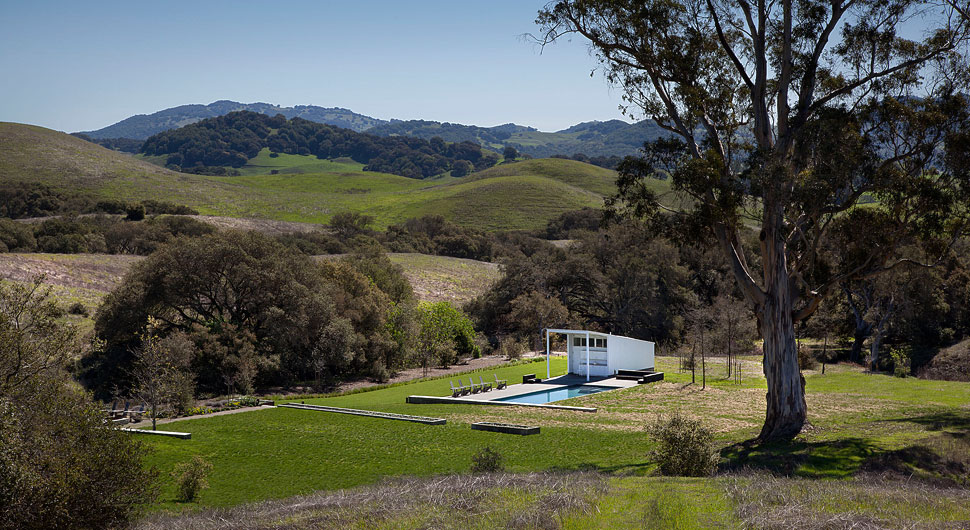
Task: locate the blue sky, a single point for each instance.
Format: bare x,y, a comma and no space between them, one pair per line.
84,65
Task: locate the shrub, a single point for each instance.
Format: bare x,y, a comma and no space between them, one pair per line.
511,348
487,460
190,478
248,401
901,361
62,465
135,212
77,308
684,447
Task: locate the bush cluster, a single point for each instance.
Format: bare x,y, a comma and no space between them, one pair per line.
191,478
97,234
487,460
24,200
683,447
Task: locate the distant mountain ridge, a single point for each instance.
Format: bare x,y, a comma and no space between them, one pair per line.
141,126
594,138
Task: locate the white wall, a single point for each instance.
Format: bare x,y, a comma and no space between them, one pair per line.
630,354
622,353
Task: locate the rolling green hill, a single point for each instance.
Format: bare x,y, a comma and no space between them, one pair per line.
522,195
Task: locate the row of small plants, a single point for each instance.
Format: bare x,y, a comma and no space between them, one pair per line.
237,403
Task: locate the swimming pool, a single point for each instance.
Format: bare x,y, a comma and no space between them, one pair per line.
556,394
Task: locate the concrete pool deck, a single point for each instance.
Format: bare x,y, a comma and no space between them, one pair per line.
490,397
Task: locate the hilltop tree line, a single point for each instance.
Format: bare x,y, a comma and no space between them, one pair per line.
125,145
231,140
24,200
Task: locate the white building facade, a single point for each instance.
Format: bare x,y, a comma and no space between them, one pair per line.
595,354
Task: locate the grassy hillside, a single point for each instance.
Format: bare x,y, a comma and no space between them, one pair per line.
444,279
522,195
263,164
28,152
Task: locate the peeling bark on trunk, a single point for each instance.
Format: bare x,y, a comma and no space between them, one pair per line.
786,408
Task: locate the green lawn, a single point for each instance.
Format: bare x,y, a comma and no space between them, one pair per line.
858,422
281,452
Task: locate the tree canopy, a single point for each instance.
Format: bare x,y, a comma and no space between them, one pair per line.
786,115
232,139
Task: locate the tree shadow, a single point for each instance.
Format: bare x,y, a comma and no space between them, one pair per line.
826,459
943,457
956,422
620,469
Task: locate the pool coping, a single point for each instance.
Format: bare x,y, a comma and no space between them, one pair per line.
426,400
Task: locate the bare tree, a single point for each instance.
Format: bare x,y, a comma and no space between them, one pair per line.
159,380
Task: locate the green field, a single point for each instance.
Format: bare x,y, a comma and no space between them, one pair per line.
263,164
521,195
860,423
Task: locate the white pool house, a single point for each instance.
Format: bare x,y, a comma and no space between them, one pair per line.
596,354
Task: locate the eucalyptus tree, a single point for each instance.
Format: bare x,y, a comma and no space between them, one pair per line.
785,115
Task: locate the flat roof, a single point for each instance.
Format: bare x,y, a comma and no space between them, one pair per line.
598,333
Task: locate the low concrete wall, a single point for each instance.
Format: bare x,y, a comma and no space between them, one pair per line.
182,435
367,413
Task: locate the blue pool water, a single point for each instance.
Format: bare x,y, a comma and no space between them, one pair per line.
556,394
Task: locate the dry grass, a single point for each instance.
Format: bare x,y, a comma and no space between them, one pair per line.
498,500
867,501
93,272
266,226
445,279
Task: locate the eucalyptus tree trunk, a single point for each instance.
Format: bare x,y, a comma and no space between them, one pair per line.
786,407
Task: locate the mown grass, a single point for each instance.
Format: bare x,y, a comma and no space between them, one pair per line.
589,500
500,500
655,502
280,452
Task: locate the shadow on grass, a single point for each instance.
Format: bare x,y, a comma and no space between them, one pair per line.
956,422
944,456
619,469
832,459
